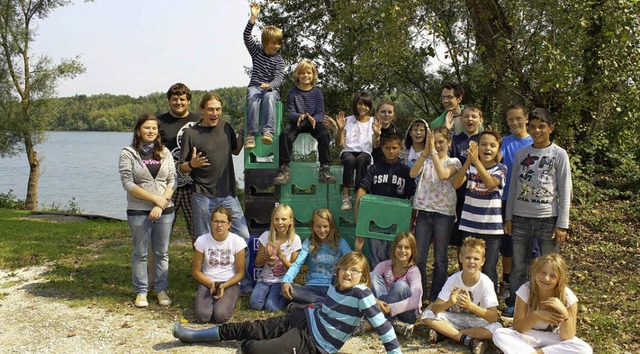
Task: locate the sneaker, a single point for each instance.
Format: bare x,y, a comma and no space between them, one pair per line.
325,175
508,312
164,299
141,300
346,204
435,336
504,291
477,346
401,328
267,137
283,176
250,143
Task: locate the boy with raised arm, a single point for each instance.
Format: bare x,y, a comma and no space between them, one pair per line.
266,77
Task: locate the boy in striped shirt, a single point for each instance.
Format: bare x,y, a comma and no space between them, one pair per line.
266,77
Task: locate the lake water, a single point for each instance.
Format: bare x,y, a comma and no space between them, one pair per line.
80,165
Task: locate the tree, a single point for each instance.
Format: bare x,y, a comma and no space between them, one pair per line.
27,86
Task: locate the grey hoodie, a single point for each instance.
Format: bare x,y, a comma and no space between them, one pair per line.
133,173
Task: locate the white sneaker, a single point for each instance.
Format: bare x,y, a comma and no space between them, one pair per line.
164,299
141,300
346,204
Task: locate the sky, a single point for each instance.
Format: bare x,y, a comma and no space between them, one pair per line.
136,47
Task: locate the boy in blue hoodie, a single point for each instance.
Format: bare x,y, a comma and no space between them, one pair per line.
389,178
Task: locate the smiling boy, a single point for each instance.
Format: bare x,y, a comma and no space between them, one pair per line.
541,191
389,178
466,308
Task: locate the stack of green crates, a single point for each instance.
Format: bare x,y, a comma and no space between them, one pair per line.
304,194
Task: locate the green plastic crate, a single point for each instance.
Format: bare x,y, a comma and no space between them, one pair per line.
383,217
263,156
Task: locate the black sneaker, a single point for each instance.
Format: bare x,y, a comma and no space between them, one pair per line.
283,176
325,175
401,328
296,306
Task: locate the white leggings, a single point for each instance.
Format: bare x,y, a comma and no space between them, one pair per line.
512,341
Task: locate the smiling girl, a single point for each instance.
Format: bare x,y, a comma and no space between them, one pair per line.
482,210
279,248
148,175
545,313
218,267
321,251
316,330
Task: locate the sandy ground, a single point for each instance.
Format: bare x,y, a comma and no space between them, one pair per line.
35,322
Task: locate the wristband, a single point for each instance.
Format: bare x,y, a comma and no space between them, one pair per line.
433,153
190,166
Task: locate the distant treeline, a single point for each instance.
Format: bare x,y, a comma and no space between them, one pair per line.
107,112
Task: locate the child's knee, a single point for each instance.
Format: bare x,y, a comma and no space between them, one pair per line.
221,317
203,316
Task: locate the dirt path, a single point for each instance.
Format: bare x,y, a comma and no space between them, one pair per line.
33,322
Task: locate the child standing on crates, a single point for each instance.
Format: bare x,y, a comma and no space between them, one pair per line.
321,252
305,110
266,77
279,248
355,137
322,329
389,178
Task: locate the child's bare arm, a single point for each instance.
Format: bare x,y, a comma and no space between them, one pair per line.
441,305
461,176
568,327
490,182
489,314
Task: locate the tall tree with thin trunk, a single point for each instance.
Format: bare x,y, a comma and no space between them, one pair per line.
27,84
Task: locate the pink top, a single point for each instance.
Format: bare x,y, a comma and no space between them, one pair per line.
412,277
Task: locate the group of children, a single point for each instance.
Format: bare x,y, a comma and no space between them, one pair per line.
458,175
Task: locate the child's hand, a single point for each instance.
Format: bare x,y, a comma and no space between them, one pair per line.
265,86
212,289
464,300
255,9
431,143
559,234
312,121
506,227
377,126
455,295
384,307
556,305
341,121
287,291
219,294
358,244
472,153
448,122
330,123
551,317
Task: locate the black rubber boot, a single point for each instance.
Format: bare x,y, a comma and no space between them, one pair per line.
207,335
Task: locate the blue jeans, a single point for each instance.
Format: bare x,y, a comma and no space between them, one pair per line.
378,251
267,296
436,226
203,206
523,231
309,294
156,232
261,104
491,256
399,291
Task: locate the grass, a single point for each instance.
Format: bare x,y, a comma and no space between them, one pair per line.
90,265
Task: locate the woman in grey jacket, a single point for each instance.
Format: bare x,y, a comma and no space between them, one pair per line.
148,175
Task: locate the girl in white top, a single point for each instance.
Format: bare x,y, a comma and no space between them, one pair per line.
435,204
279,248
218,266
355,137
545,314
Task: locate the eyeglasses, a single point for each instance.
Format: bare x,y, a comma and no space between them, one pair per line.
352,271
449,97
219,222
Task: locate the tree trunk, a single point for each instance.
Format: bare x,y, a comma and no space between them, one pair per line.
31,202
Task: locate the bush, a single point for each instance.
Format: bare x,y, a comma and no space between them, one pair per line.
10,201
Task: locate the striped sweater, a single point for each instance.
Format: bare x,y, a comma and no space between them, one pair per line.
341,312
482,210
266,68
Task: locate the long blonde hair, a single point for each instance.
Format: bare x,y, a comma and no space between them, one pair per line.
333,239
291,230
560,267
